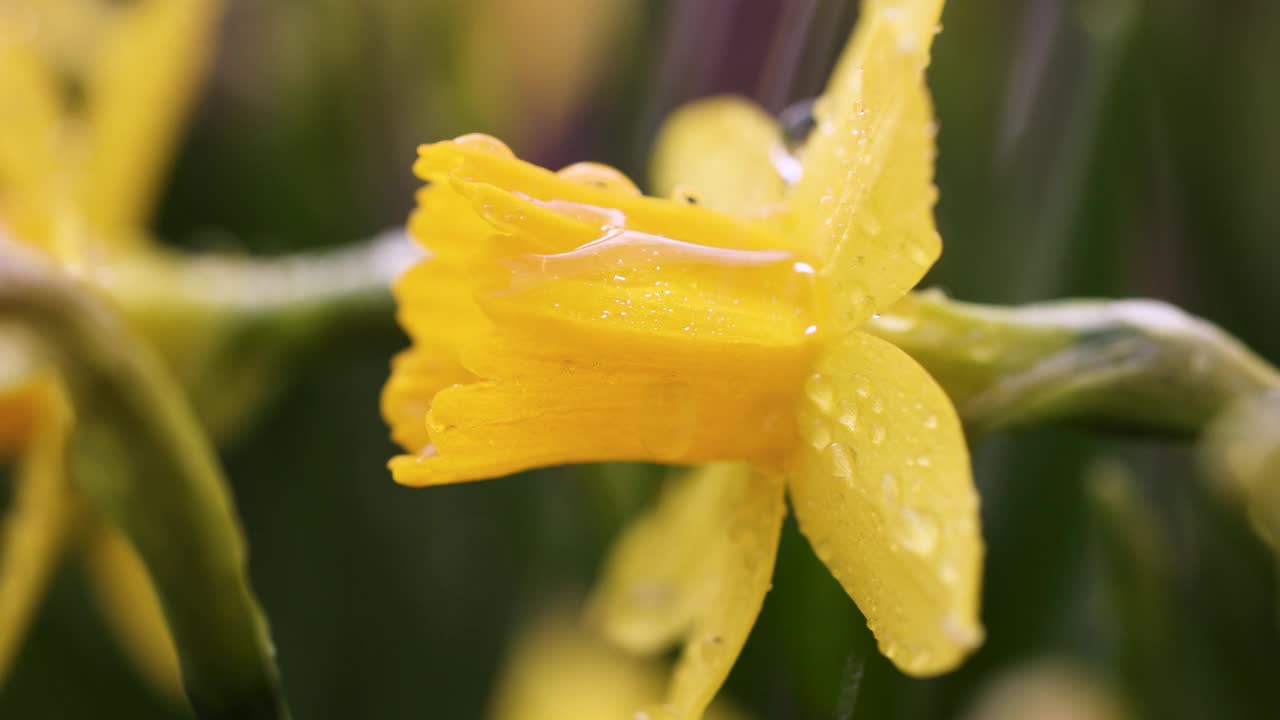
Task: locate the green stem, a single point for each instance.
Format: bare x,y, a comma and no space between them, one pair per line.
232,326
1135,365
140,457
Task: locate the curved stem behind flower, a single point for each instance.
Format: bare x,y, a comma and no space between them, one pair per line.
229,325
1136,365
140,457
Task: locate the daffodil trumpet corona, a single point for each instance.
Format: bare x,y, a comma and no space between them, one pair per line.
563,317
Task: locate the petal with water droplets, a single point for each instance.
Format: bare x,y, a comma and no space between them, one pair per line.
883,489
738,575
652,581
866,197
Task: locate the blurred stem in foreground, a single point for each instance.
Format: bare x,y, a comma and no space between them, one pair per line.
256,316
1136,561
138,454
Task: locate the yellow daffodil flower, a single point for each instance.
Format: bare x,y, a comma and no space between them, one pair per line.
562,317
94,94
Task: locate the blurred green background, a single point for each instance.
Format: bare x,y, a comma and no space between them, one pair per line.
1088,148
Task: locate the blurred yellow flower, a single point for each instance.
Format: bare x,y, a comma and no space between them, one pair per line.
563,317
557,669
95,94
1048,689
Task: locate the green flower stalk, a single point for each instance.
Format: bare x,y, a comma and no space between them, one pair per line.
139,456
1136,365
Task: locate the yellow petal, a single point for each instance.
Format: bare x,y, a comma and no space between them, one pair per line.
738,575
724,149
883,489
446,223
697,568
28,132
655,575
417,375
140,87
129,602
486,160
571,415
866,197
42,519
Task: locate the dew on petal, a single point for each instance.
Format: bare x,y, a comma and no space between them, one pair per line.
485,143
818,389
839,461
877,435
965,634
919,532
889,485
601,176
849,419
819,433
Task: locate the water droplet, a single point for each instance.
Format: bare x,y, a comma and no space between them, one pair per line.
839,461
601,176
819,433
877,435
818,389
485,143
896,323
889,484
870,223
923,461
919,532
931,422
949,572
920,256
963,633
787,164
849,419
